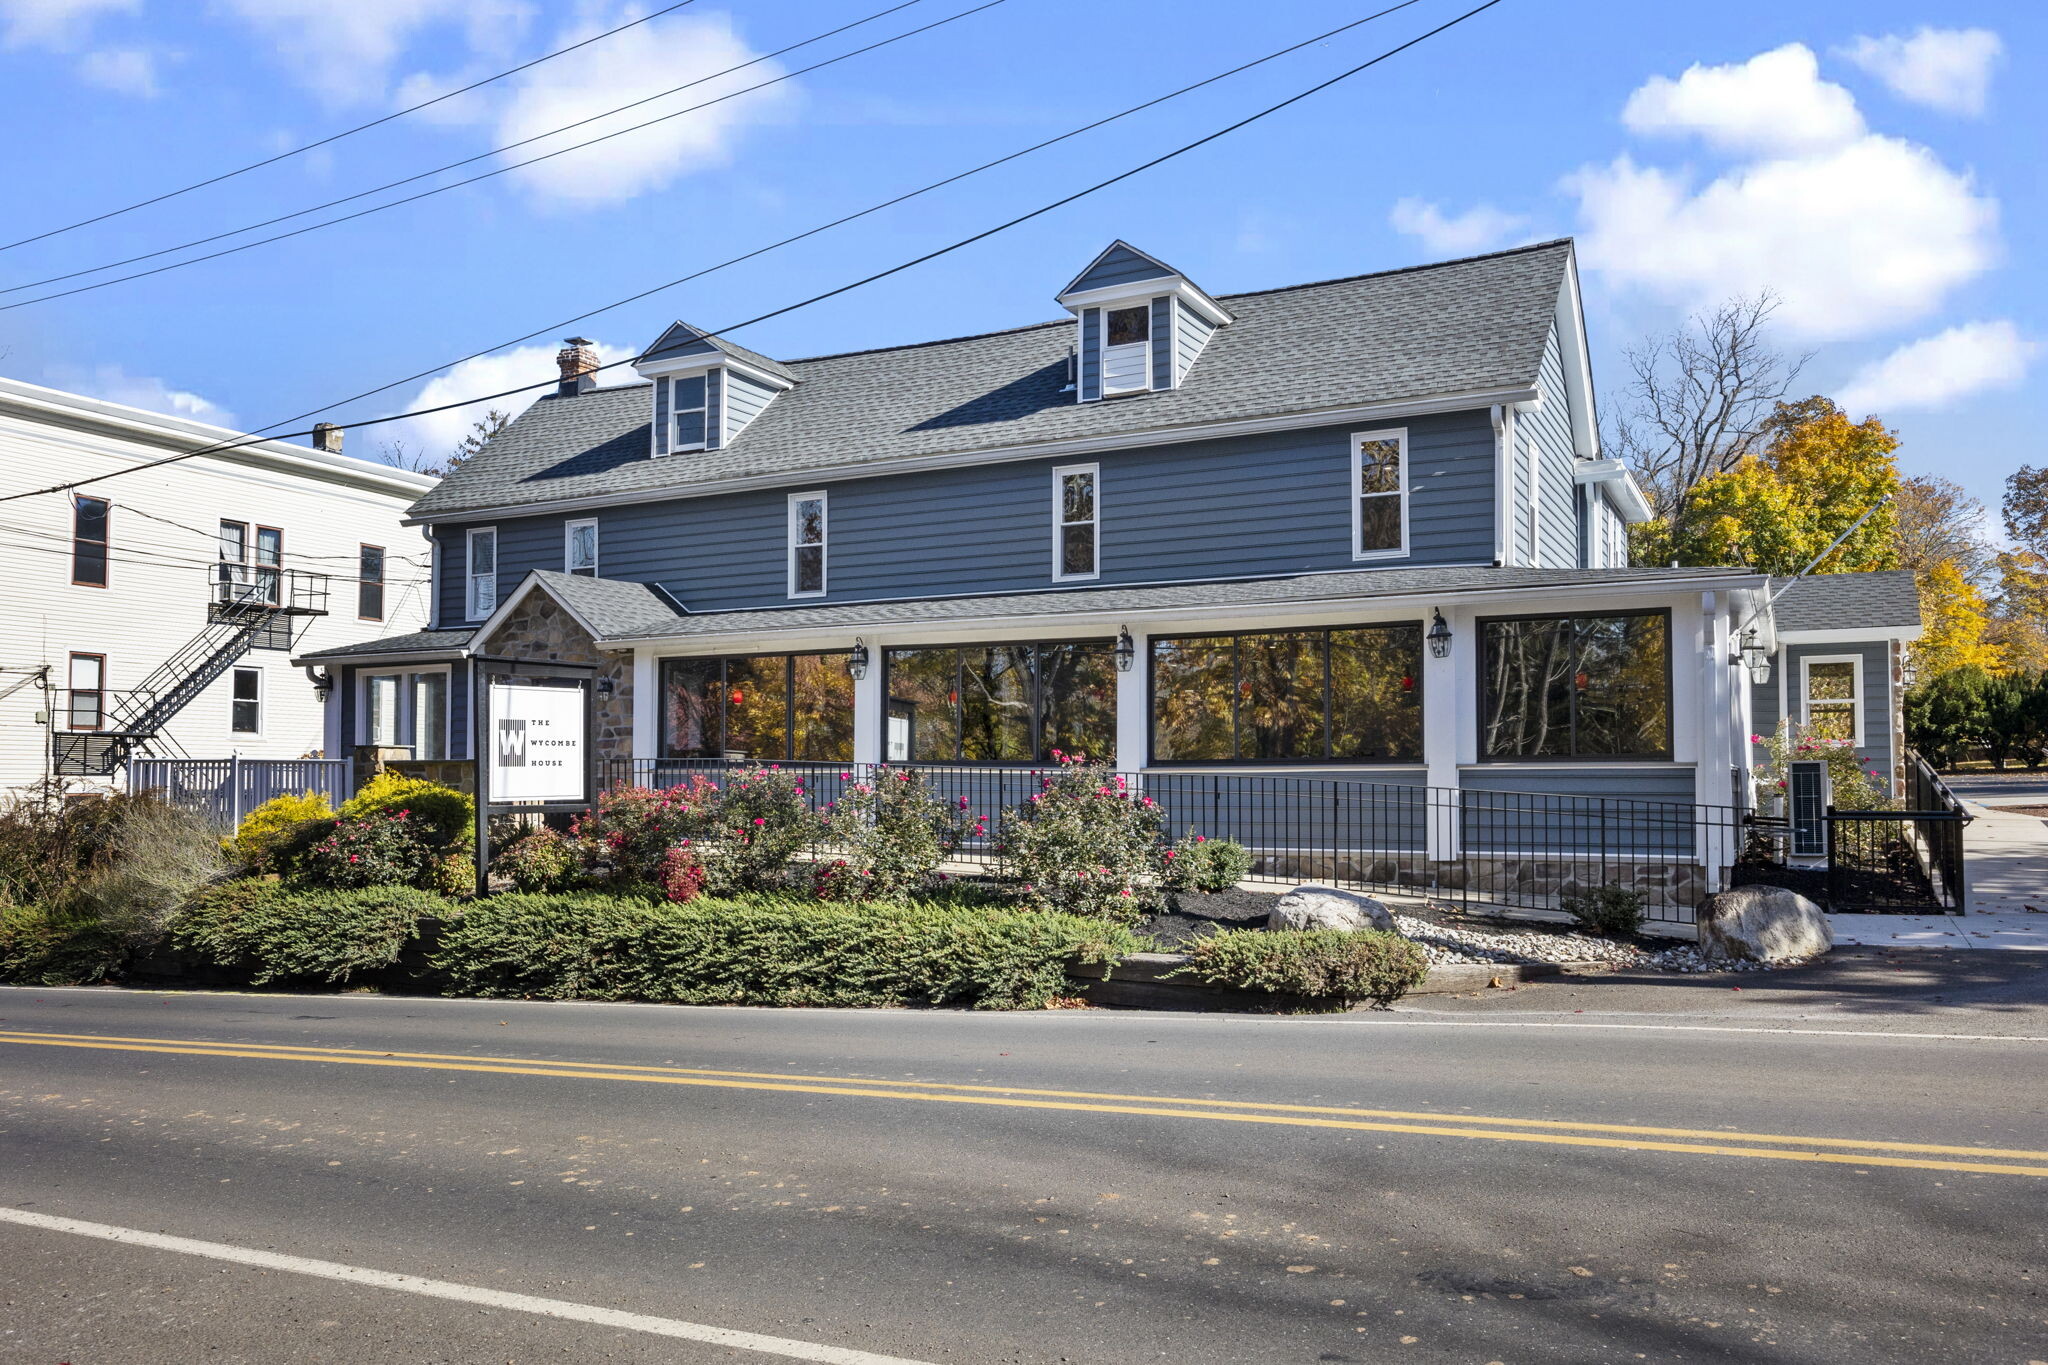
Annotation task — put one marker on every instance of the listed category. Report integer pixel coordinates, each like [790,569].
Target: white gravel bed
[1444,945]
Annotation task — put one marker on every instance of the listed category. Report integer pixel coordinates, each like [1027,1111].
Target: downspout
[1503,443]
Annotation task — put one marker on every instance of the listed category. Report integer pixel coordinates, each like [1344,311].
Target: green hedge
[1321,968]
[269,933]
[769,952]
[44,947]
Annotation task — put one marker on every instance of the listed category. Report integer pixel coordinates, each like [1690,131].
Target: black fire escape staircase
[266,609]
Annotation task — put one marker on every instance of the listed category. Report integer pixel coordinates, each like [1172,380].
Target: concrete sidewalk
[2008,932]
[2005,862]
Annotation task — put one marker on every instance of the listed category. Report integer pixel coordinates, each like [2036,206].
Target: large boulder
[1325,907]
[1762,924]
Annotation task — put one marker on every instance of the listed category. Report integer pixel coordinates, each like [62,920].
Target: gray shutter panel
[661,422]
[1162,343]
[714,408]
[1090,387]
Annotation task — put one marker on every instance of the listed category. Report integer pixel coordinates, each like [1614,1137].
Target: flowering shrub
[633,828]
[444,816]
[1856,788]
[265,832]
[1086,843]
[376,850]
[893,832]
[682,876]
[761,823]
[1202,864]
[541,859]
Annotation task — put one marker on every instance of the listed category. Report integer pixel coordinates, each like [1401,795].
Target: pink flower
[1201,838]
[353,858]
[759,820]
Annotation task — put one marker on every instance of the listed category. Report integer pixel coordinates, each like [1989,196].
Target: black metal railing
[1909,859]
[1464,846]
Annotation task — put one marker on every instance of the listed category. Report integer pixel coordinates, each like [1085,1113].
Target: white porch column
[1715,753]
[1447,711]
[646,703]
[1133,713]
[870,709]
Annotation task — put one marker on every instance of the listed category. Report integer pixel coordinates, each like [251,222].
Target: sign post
[533,732]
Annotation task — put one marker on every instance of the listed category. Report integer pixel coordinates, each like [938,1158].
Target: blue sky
[1876,173]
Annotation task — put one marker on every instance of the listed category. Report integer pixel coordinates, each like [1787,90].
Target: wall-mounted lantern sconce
[1439,635]
[1126,649]
[604,687]
[857,662]
[323,682]
[1758,659]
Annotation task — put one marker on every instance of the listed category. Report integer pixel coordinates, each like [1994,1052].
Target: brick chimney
[578,361]
[327,437]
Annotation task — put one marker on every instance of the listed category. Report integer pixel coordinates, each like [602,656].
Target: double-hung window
[481,555]
[246,702]
[1379,494]
[407,710]
[370,582]
[1076,523]
[1127,349]
[579,550]
[1831,692]
[269,564]
[687,414]
[806,544]
[231,577]
[86,688]
[89,542]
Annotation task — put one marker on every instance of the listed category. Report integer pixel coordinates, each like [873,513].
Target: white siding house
[107,585]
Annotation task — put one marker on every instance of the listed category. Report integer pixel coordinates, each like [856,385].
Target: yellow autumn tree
[1954,618]
[1776,511]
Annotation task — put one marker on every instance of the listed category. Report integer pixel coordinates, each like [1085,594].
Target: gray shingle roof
[1887,600]
[625,611]
[416,642]
[1461,326]
[682,337]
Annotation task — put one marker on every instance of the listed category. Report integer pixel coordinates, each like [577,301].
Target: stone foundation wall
[1523,880]
[540,631]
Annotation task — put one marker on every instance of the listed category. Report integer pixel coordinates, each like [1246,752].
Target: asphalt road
[1460,1182]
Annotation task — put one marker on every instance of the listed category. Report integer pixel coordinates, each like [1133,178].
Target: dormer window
[1127,349]
[690,409]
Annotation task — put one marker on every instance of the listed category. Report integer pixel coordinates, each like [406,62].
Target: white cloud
[343,50]
[116,385]
[1774,102]
[1937,370]
[1479,228]
[436,434]
[124,70]
[637,63]
[1853,236]
[1944,68]
[59,24]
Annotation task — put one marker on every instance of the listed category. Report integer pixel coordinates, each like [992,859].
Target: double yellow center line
[1560,1132]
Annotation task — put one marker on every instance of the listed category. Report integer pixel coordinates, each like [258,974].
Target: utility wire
[480,156]
[1071,133]
[913,262]
[346,132]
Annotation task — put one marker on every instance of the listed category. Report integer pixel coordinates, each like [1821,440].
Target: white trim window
[407,710]
[1076,522]
[807,544]
[480,563]
[1127,348]
[579,547]
[1831,696]
[687,416]
[1379,493]
[245,702]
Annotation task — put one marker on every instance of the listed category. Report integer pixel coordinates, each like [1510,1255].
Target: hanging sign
[538,737]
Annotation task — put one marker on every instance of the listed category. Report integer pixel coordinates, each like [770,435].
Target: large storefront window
[1576,687]
[775,708]
[1001,703]
[1298,696]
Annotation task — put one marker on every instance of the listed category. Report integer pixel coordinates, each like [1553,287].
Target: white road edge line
[460,1293]
[1715,1028]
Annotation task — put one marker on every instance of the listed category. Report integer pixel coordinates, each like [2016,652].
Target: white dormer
[1141,324]
[706,390]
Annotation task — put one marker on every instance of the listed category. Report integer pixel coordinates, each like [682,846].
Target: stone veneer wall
[540,631]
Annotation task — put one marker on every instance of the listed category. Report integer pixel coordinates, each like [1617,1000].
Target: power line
[487,175]
[915,261]
[346,132]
